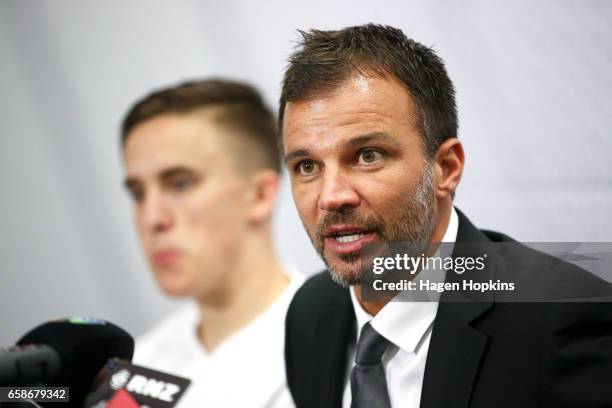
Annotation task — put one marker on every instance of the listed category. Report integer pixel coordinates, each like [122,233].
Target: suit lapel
[456,348]
[454,355]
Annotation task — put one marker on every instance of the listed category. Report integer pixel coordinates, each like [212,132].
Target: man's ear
[264,188]
[449,161]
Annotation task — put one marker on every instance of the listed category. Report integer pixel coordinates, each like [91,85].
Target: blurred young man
[203,169]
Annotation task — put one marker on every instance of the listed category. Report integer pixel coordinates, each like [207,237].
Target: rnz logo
[147,387]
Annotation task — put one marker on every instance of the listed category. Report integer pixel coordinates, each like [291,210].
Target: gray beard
[414,226]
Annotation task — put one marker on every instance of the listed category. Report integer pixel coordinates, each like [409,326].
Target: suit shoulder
[496,236]
[314,295]
[320,284]
[542,276]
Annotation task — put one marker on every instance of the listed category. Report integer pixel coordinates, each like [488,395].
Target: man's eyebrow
[130,182]
[174,171]
[354,142]
[371,137]
[297,153]
[168,173]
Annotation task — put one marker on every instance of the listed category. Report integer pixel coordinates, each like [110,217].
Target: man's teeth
[349,238]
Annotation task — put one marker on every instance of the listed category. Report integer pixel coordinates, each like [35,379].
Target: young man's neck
[255,282]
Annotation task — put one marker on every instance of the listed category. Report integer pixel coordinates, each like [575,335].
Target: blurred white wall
[534,93]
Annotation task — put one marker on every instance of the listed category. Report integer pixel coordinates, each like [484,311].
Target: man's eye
[369,156]
[137,195]
[307,167]
[181,184]
[178,183]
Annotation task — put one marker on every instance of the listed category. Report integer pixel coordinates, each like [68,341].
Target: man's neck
[443,216]
[256,281]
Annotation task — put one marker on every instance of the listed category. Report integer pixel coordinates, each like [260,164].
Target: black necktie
[368,383]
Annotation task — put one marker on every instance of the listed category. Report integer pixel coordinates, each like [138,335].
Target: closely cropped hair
[241,107]
[323,60]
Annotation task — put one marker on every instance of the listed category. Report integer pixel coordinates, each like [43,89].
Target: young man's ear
[449,161]
[264,187]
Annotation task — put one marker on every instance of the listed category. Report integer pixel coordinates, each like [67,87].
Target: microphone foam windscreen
[84,346]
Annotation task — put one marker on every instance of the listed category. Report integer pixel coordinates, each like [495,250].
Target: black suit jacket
[483,353]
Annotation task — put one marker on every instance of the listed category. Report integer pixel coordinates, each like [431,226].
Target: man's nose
[155,213]
[337,192]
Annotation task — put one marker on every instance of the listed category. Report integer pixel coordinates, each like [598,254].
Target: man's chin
[176,291]
[174,285]
[345,272]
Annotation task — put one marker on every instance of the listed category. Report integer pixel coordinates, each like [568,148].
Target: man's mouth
[165,257]
[345,239]
[349,238]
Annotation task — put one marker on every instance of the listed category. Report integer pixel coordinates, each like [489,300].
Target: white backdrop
[534,93]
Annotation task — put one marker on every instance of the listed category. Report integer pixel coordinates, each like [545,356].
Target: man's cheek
[306,207]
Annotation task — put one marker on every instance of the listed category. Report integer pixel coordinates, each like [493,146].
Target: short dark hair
[240,106]
[323,60]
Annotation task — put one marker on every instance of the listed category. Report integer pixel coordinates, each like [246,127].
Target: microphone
[67,353]
[29,364]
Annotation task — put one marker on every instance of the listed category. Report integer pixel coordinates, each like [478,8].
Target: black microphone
[29,364]
[83,347]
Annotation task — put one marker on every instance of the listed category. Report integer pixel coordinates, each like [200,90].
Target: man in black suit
[369,135]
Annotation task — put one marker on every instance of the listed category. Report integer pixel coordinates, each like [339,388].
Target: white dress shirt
[246,370]
[407,325]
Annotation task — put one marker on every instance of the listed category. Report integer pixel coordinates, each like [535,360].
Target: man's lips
[164,257]
[346,239]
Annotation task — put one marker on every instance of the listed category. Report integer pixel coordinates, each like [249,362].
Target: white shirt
[246,370]
[407,325]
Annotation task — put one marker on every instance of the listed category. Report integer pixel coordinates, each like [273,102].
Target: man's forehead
[356,93]
[169,141]
[362,105]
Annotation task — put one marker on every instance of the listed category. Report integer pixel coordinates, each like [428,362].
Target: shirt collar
[405,323]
